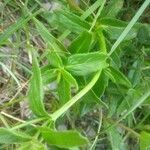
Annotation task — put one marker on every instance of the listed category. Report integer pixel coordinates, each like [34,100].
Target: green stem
[70,103]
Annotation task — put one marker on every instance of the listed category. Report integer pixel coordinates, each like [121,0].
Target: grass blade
[129,26]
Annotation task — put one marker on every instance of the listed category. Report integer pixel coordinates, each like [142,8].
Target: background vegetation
[74,74]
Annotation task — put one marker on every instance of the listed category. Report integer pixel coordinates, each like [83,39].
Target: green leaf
[84,64]
[63,139]
[71,21]
[116,139]
[128,101]
[113,7]
[119,77]
[143,35]
[33,145]
[144,140]
[49,38]
[137,104]
[54,59]
[36,90]
[82,43]
[135,72]
[8,136]
[64,90]
[64,86]
[48,76]
[69,78]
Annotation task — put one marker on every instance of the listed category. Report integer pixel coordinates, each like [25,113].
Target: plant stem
[70,103]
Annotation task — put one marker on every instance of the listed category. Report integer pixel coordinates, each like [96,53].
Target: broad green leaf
[84,64]
[8,136]
[71,21]
[32,145]
[82,43]
[144,140]
[107,21]
[119,77]
[114,33]
[114,27]
[36,94]
[63,139]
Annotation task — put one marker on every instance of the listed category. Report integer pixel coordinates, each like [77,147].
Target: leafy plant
[79,65]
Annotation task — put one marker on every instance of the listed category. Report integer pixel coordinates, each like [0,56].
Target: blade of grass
[10,72]
[17,25]
[97,15]
[129,26]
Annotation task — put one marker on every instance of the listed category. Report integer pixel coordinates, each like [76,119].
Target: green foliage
[79,65]
[8,136]
[36,94]
[63,139]
[84,64]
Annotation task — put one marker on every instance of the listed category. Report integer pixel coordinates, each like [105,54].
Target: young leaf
[69,78]
[63,139]
[119,77]
[81,44]
[64,86]
[64,90]
[144,140]
[8,136]
[48,38]
[84,64]
[36,91]
[48,76]
[101,84]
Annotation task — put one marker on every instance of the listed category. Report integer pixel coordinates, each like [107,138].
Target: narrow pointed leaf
[36,94]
